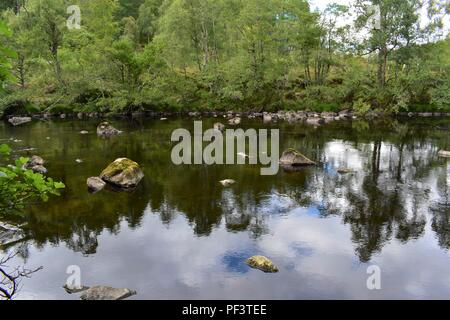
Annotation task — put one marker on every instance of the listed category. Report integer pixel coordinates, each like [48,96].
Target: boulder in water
[106,293]
[234,121]
[123,173]
[104,129]
[36,164]
[219,126]
[17,121]
[10,235]
[227,182]
[95,184]
[445,154]
[262,263]
[292,157]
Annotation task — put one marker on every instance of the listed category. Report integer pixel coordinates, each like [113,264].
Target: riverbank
[290,116]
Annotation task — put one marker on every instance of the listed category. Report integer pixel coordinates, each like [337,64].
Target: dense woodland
[180,55]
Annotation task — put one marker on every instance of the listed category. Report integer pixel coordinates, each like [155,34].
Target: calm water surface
[182,235]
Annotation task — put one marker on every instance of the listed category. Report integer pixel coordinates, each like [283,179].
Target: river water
[182,235]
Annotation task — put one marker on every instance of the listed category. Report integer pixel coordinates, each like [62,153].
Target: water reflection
[398,190]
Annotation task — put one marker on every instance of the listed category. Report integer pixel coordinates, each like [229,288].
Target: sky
[322,4]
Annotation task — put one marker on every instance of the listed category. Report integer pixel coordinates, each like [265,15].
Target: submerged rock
[10,234]
[84,132]
[444,153]
[106,293]
[123,173]
[17,121]
[227,182]
[36,164]
[234,121]
[315,121]
[344,170]
[40,169]
[95,184]
[292,157]
[267,117]
[262,263]
[219,126]
[104,129]
[74,289]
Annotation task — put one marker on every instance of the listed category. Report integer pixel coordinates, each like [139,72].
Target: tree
[395,26]
[5,55]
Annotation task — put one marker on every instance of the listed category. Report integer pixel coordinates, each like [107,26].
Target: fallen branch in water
[10,281]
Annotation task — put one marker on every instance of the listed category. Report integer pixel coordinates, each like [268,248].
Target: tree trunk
[382,65]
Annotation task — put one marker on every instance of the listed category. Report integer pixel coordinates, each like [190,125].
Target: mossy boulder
[123,173]
[262,263]
[292,157]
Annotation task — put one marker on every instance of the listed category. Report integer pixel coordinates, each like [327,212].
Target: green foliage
[360,107]
[5,55]
[19,186]
[221,54]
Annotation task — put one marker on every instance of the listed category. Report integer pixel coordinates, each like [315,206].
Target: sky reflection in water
[181,235]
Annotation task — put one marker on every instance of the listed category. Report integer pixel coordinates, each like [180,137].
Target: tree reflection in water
[398,184]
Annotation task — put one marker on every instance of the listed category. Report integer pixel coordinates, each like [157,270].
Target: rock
[344,170]
[444,153]
[315,121]
[73,289]
[39,169]
[227,182]
[262,263]
[36,164]
[330,115]
[234,121]
[63,116]
[10,235]
[78,161]
[163,119]
[292,157]
[344,113]
[84,132]
[219,126]
[123,173]
[106,293]
[35,161]
[95,184]
[16,121]
[267,117]
[104,129]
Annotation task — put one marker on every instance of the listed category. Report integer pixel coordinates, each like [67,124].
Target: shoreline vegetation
[181,56]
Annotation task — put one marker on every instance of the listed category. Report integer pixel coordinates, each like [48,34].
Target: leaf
[59,185]
[5,149]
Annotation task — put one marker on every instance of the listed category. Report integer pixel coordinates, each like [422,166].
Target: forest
[129,56]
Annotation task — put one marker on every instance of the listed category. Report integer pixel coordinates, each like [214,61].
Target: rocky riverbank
[313,118]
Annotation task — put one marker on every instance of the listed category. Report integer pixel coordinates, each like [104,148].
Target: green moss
[262,263]
[118,166]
